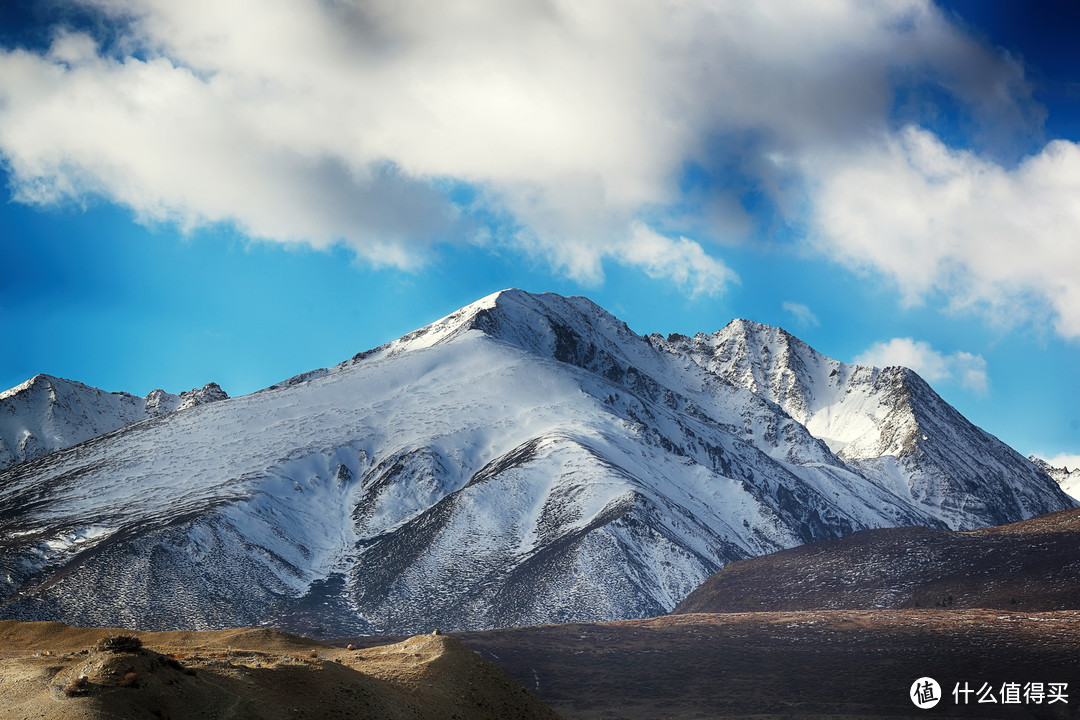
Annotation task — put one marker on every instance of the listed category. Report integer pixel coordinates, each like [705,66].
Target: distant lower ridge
[1032,565]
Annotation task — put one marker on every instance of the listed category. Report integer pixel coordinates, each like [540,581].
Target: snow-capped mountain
[46,414]
[1069,480]
[886,424]
[526,459]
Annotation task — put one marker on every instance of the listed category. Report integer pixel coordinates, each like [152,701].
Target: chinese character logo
[1010,693]
[925,693]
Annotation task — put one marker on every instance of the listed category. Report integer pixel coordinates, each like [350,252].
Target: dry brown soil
[247,674]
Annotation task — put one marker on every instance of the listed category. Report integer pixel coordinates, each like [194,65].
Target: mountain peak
[770,336]
[751,326]
[546,324]
[41,380]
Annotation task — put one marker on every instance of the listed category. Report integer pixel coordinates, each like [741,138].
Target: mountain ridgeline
[527,459]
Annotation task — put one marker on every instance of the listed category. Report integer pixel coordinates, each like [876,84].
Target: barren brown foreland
[838,664]
[247,674]
[808,664]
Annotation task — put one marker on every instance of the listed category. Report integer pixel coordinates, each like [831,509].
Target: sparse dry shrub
[119,643]
[78,686]
[350,646]
[313,655]
[130,679]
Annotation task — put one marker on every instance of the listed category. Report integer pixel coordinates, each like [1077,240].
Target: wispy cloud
[803,315]
[347,122]
[967,369]
[681,261]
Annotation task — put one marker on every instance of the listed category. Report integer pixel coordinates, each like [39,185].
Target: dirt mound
[55,671]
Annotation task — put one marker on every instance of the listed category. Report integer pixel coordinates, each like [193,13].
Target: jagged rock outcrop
[1069,480]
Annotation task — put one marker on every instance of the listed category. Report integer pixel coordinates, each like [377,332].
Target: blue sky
[239,192]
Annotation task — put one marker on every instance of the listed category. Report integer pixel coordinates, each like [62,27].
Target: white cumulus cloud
[352,121]
[963,367]
[999,240]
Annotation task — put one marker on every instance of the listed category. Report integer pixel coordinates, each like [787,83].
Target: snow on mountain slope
[887,424]
[526,459]
[46,414]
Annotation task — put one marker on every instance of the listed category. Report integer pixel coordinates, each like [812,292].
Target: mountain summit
[526,459]
[47,413]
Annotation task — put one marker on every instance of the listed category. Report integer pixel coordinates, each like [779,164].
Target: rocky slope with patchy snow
[527,459]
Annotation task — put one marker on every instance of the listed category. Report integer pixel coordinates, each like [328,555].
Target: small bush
[131,679]
[313,655]
[119,643]
[77,686]
[350,646]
